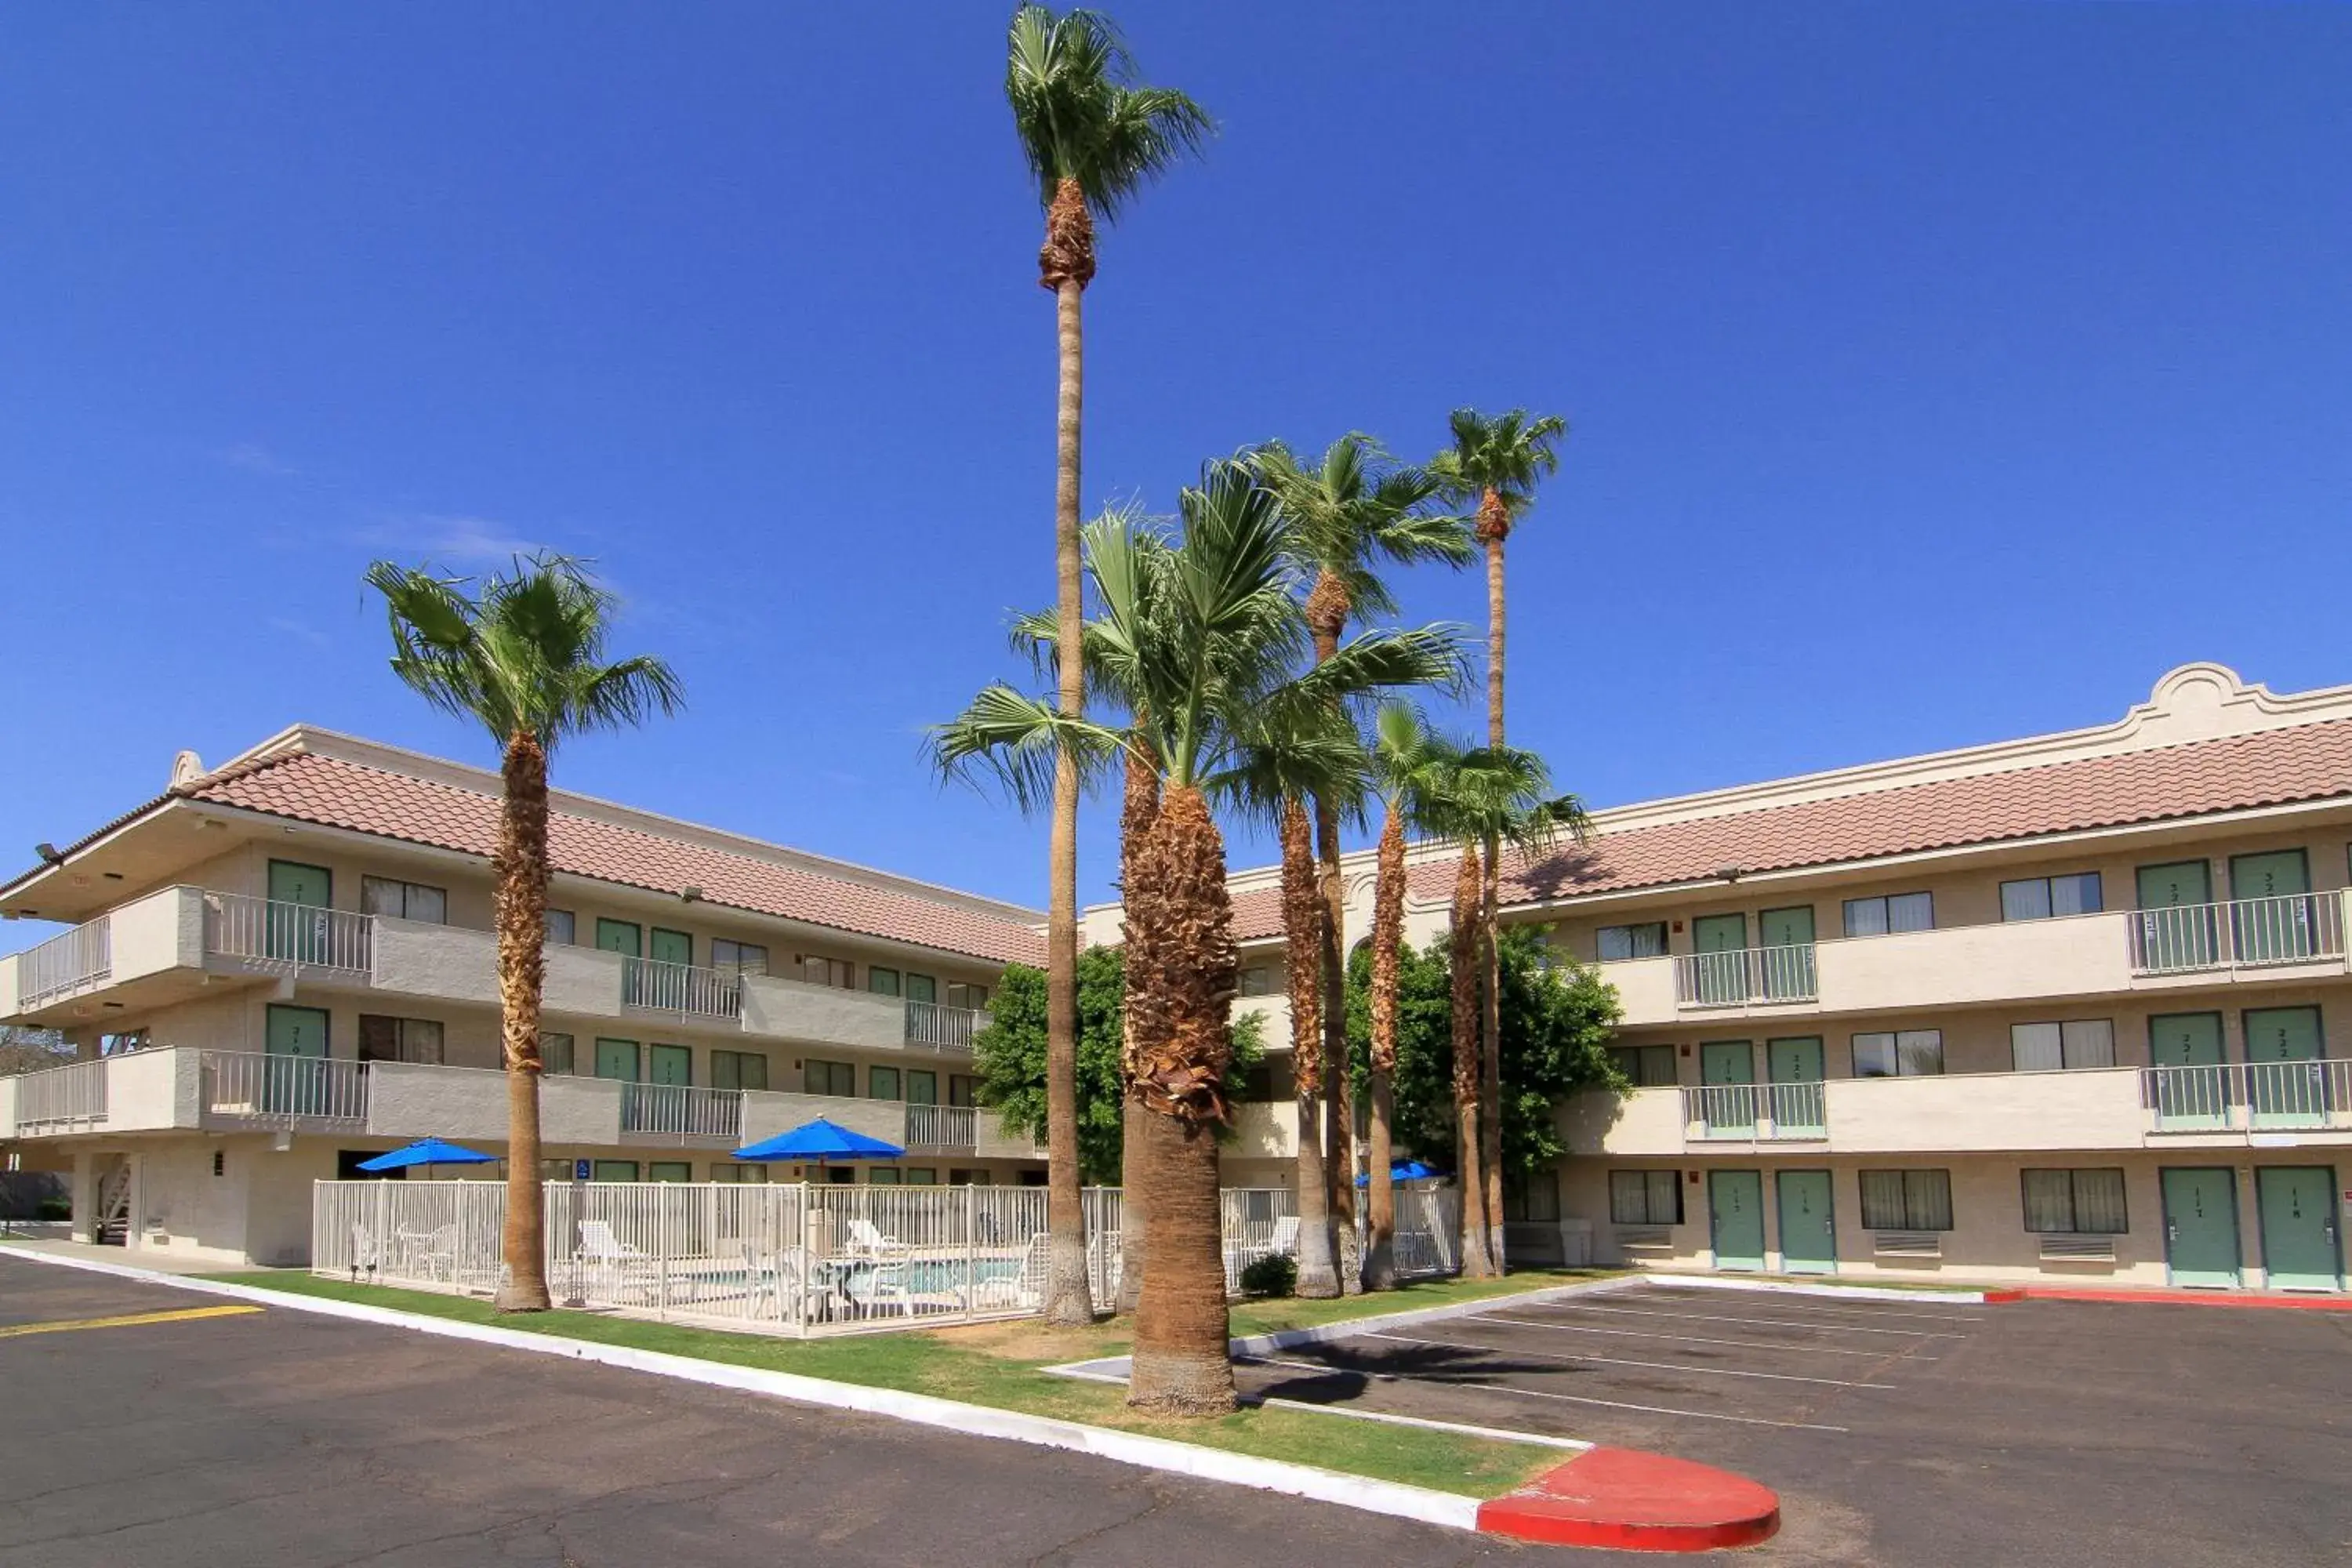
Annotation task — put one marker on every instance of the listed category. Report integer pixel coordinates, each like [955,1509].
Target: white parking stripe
[1762,1322]
[1330,1371]
[1699,1340]
[1615,1360]
[1794,1304]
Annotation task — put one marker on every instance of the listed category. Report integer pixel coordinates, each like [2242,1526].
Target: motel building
[2073,1008]
[278,968]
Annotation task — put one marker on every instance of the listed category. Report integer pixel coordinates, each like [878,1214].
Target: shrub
[1276,1274]
[54,1209]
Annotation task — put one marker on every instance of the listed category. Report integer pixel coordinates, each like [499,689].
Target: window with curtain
[743,1173]
[385,1039]
[1261,980]
[1534,1199]
[829,1078]
[1899,1053]
[1645,1066]
[739,1069]
[562,927]
[670,1171]
[882,1176]
[2086,1203]
[405,900]
[738,957]
[1906,1200]
[555,1053]
[1890,914]
[833,972]
[921,1177]
[2046,898]
[965,994]
[1645,1198]
[1646,940]
[2074,1043]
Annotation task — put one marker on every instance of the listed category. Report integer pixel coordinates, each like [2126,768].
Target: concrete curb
[1632,1502]
[1347,1328]
[1965,1297]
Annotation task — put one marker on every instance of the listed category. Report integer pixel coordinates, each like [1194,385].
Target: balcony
[1756,1113]
[251,1088]
[940,1028]
[2247,933]
[681,1113]
[286,937]
[952,1127]
[2251,1099]
[1745,975]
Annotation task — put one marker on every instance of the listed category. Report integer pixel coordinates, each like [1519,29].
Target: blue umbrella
[1402,1170]
[428,1152]
[821,1140]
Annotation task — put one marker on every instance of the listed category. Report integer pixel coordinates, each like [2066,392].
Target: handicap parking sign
[579,1169]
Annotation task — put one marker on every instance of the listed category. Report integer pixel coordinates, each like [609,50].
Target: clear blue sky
[1938,374]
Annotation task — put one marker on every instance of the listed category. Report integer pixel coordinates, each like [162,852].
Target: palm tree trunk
[1477,1260]
[1494,527]
[1134,1205]
[1180,1366]
[520,867]
[1388,931]
[1302,930]
[1328,608]
[1067,1302]
[1136,810]
[1490,1066]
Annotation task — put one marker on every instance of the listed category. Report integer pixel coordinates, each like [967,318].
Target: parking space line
[130,1321]
[1802,1304]
[1762,1322]
[1702,1340]
[1330,1371]
[1617,1360]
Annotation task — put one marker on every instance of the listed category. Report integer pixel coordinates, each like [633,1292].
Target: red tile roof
[329,791]
[2272,767]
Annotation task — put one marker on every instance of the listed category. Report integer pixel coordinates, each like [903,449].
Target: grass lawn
[1002,1365]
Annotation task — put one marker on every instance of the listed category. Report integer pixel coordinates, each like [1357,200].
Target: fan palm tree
[1487,800]
[524,658]
[1093,139]
[1215,639]
[1349,514]
[1494,463]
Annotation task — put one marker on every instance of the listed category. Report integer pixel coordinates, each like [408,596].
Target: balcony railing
[2290,928]
[64,963]
[238,925]
[1744,974]
[275,1090]
[681,1110]
[681,988]
[943,1028]
[2232,1097]
[1756,1112]
[54,1099]
[940,1127]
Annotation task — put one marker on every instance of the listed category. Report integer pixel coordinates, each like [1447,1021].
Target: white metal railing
[681,988]
[276,1090]
[2244,933]
[1744,974]
[1105,1211]
[1755,1112]
[2247,1096]
[70,1096]
[1251,1218]
[944,1028]
[238,925]
[940,1126]
[64,963]
[681,1110]
[1428,1229]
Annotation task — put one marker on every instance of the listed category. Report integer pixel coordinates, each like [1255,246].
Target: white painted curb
[1793,1287]
[1349,1328]
[1164,1454]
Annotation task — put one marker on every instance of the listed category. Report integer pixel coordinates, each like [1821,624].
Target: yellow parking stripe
[11,1330]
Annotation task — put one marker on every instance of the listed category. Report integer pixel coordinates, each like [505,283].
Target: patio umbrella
[820,1141]
[1401,1171]
[428,1152]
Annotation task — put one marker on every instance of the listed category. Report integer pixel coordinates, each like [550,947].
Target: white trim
[1349,1328]
[1790,1287]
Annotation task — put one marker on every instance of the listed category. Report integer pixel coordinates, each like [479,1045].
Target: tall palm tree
[1215,638]
[1349,514]
[1488,800]
[1496,462]
[523,656]
[1093,139]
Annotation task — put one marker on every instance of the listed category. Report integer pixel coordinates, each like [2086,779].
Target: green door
[2175,927]
[294,1076]
[1727,1097]
[1734,1211]
[294,922]
[1720,968]
[1785,964]
[2297,1204]
[2191,1084]
[623,937]
[1794,1067]
[1808,1227]
[2200,1226]
[2271,914]
[672,947]
[672,1065]
[617,1059]
[922,1086]
[2286,1081]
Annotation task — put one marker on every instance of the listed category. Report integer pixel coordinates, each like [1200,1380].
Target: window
[967,1178]
[2076,1043]
[881,1083]
[920,1176]
[1645,1198]
[922,988]
[403,900]
[670,1171]
[555,1053]
[1895,912]
[1261,980]
[964,993]
[881,981]
[563,929]
[882,1176]
[743,1173]
[961,1087]
[614,1170]
[833,972]
[1645,1066]
[738,957]
[2044,897]
[1533,1199]
[739,1069]
[385,1039]
[1632,942]
[1906,1200]
[1899,1053]
[2084,1203]
[830,1078]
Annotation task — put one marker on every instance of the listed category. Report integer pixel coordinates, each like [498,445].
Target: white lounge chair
[616,1260]
[775,1278]
[1285,1234]
[866,1241]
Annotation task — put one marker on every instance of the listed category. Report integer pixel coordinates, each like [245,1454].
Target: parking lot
[1917,1430]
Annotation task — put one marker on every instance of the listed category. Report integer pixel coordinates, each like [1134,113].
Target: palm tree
[1093,139]
[1349,514]
[1487,800]
[525,658]
[1496,462]
[1215,639]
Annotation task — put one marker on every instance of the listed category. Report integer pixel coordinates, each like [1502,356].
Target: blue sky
[1938,373]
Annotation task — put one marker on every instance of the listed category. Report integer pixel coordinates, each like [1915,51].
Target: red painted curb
[2192,1298]
[2003,1298]
[1636,1502]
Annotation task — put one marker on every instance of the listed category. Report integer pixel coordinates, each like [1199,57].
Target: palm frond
[1078,113]
[1013,738]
